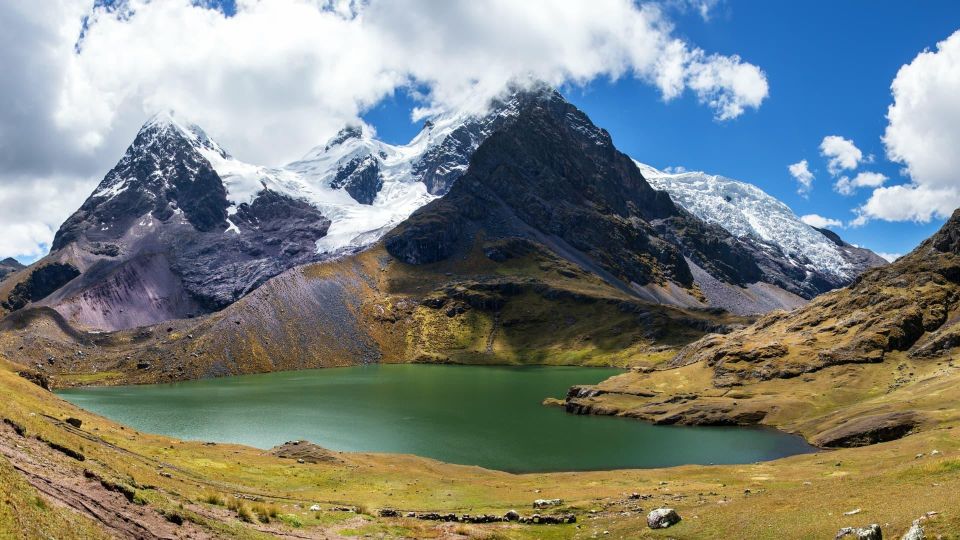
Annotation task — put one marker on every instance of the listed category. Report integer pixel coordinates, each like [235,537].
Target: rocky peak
[161,175]
[346,133]
[947,239]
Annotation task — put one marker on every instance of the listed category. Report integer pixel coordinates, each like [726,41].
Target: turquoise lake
[486,416]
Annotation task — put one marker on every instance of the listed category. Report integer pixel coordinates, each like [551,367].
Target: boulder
[661,518]
[511,515]
[543,503]
[870,532]
[915,532]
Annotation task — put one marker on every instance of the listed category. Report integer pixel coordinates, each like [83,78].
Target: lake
[486,416]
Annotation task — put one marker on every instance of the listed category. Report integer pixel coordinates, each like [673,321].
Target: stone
[511,515]
[544,503]
[915,532]
[388,512]
[75,422]
[661,518]
[870,532]
[315,508]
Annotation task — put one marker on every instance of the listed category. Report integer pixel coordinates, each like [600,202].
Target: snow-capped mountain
[180,226]
[751,214]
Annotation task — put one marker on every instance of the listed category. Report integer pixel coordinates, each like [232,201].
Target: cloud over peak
[276,77]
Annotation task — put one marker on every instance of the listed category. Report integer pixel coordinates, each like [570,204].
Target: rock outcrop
[662,518]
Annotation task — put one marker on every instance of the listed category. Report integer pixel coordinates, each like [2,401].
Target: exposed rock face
[662,518]
[869,430]
[39,284]
[550,175]
[361,178]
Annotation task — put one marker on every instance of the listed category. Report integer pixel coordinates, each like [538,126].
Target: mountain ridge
[180,228]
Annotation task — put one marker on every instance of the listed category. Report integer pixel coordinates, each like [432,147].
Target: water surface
[487,416]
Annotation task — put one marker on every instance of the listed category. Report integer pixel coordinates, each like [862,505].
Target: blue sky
[829,66]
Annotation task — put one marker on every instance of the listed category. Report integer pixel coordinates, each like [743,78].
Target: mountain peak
[165,125]
[347,132]
[947,239]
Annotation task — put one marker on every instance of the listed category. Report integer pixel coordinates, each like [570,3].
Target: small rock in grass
[75,422]
[315,508]
[511,515]
[852,512]
[661,518]
[543,503]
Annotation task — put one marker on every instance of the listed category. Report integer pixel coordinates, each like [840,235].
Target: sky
[846,111]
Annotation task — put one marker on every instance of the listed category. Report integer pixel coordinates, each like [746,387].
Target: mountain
[867,363]
[180,228]
[9,266]
[793,255]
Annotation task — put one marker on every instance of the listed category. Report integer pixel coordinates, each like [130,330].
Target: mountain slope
[9,266]
[864,364]
[792,254]
[553,177]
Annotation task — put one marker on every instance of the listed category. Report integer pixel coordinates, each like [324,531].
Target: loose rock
[870,532]
[661,518]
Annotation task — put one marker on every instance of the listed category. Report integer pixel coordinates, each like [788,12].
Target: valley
[491,295]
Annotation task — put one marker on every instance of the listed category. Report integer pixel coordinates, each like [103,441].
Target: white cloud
[847,186]
[909,202]
[820,222]
[841,154]
[801,173]
[923,133]
[890,257]
[280,76]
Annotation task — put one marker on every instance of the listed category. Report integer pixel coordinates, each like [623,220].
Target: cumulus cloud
[923,134]
[890,257]
[847,186]
[820,222]
[278,77]
[841,154]
[801,173]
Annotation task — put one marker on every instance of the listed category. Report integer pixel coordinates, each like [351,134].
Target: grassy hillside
[527,306]
[866,363]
